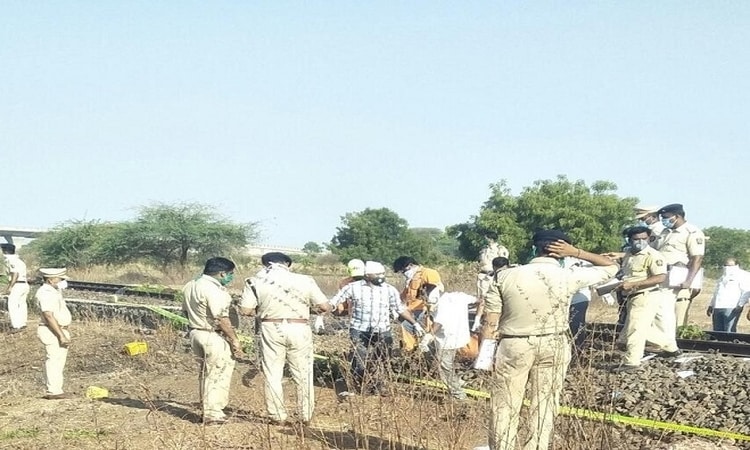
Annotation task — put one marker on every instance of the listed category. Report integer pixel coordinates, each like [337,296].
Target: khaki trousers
[292,343]
[642,311]
[682,306]
[55,362]
[18,310]
[216,368]
[539,363]
[663,331]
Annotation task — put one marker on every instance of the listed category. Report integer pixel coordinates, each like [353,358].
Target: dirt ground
[153,402]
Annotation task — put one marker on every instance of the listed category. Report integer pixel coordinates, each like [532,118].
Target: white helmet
[356,268]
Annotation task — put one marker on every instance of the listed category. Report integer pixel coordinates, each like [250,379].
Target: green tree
[726,243]
[165,234]
[378,235]
[312,248]
[161,234]
[442,245]
[593,216]
[74,244]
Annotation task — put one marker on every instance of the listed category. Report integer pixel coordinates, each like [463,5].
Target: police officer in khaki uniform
[282,301]
[648,216]
[683,245]
[489,252]
[53,329]
[18,288]
[644,271]
[212,336]
[527,309]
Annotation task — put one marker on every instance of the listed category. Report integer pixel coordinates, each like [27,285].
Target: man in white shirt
[730,296]
[451,330]
[18,289]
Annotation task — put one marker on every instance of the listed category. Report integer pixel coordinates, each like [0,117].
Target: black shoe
[673,354]
[625,368]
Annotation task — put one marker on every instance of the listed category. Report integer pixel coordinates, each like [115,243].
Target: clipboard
[677,275]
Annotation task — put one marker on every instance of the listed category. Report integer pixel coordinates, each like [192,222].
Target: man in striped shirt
[372,303]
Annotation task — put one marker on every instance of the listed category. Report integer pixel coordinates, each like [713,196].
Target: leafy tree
[379,235]
[442,246]
[164,234]
[312,248]
[726,243]
[161,234]
[74,244]
[592,215]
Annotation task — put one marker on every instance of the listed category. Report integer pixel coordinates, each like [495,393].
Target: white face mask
[410,273]
[731,270]
[63,284]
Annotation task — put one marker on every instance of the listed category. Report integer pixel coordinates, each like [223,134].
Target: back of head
[356,268]
[217,265]
[543,238]
[276,257]
[8,249]
[402,262]
[500,262]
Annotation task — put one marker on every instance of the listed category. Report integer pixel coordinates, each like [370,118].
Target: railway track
[730,344]
[123,289]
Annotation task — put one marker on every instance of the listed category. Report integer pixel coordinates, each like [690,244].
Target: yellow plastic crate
[136,348]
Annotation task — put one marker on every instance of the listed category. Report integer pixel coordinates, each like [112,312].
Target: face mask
[642,223]
[410,273]
[667,222]
[637,245]
[731,270]
[377,281]
[62,284]
[227,279]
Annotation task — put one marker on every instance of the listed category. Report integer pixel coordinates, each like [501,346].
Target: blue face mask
[667,222]
[642,223]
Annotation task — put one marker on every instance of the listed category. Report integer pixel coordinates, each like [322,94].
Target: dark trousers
[370,358]
[725,319]
[577,318]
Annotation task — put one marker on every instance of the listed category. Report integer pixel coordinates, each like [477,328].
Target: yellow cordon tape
[564,410]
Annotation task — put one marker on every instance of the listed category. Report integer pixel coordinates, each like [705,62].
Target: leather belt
[285,320]
[512,336]
[24,282]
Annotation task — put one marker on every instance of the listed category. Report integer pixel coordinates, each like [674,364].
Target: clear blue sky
[293,114]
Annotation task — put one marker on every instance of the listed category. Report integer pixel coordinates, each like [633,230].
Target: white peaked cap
[372,267]
[356,267]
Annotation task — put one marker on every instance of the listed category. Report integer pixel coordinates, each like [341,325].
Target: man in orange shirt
[423,289]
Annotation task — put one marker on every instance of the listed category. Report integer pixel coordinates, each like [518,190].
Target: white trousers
[17,307]
[55,362]
[216,368]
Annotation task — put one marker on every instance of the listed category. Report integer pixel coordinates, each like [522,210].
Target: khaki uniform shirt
[16,265]
[488,253]
[679,244]
[644,264]
[205,301]
[51,300]
[534,299]
[281,294]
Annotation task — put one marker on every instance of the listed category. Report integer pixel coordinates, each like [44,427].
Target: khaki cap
[643,211]
[55,273]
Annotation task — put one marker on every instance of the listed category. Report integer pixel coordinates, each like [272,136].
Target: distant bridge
[261,249]
[11,233]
